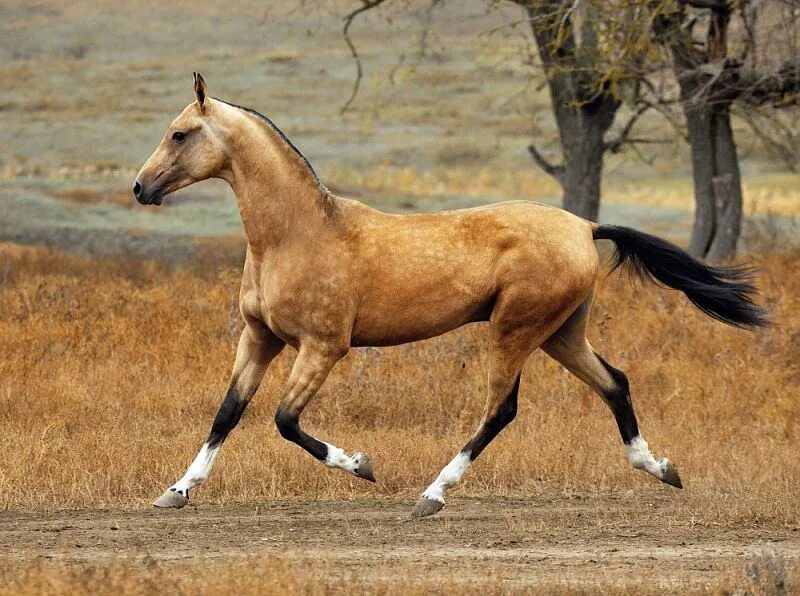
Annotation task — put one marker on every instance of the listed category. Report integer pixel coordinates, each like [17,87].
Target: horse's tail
[725,293]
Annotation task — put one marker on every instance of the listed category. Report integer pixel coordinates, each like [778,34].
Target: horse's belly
[402,319]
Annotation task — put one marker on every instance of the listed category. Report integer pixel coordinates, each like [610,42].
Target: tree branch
[712,4]
[556,171]
[624,136]
[348,20]
[781,88]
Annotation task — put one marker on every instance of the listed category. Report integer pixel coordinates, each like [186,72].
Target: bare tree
[583,105]
[711,79]
[594,53]
[584,91]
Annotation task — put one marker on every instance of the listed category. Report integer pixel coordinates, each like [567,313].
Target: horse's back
[437,271]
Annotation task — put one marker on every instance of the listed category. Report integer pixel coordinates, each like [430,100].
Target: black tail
[724,293]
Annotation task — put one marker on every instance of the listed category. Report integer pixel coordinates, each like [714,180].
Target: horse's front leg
[309,372]
[257,347]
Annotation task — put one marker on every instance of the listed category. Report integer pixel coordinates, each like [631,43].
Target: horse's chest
[313,308]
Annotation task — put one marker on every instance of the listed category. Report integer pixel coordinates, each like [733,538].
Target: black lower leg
[288,424]
[618,398]
[492,426]
[229,414]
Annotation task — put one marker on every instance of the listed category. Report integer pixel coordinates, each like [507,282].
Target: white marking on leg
[337,458]
[451,474]
[642,459]
[198,471]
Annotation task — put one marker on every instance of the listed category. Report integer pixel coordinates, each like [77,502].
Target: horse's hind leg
[570,347]
[510,344]
[500,410]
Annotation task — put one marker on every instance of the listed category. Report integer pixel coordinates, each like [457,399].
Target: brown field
[112,371]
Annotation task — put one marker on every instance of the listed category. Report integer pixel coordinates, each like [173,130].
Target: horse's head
[191,150]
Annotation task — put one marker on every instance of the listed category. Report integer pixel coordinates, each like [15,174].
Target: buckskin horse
[323,273]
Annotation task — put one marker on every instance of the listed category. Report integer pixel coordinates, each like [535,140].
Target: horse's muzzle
[147,196]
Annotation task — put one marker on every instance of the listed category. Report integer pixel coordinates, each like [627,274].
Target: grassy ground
[113,370]
[765,574]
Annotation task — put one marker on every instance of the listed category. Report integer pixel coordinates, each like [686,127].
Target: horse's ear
[199,89]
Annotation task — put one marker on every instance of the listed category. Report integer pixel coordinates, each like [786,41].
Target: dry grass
[254,575]
[766,574]
[112,372]
[774,194]
[92,196]
[770,194]
[451,181]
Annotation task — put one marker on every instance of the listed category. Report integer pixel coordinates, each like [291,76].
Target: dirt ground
[578,541]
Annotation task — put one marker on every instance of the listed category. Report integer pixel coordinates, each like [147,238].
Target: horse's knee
[287,423]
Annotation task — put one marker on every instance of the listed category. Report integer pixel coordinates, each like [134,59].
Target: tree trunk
[583,110]
[727,190]
[709,84]
[717,181]
[700,122]
[583,167]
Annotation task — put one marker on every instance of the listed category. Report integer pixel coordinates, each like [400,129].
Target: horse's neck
[275,189]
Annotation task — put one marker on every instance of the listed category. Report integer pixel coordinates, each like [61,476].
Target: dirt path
[525,541]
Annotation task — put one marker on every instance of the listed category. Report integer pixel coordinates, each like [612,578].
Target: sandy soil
[576,541]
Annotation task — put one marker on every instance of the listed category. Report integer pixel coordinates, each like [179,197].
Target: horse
[323,273]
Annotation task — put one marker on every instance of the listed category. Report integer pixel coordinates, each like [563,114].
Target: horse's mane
[271,124]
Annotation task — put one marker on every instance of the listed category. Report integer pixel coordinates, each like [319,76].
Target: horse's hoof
[364,469]
[426,507]
[171,499]
[671,476]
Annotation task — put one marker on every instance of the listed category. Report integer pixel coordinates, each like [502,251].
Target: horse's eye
[179,137]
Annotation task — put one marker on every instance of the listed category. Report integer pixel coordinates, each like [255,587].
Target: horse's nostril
[137,189]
